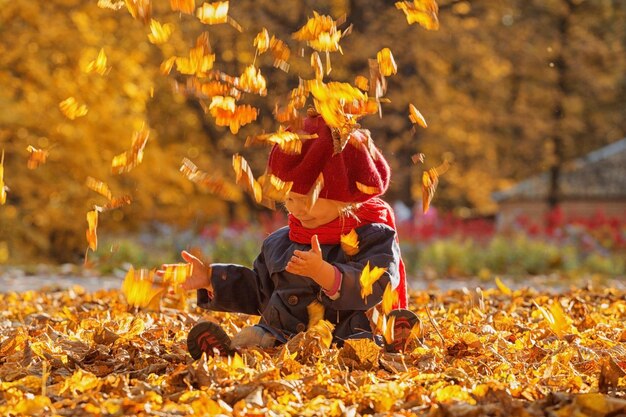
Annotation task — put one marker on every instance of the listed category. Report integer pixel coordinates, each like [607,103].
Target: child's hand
[200,273]
[307,263]
[311,264]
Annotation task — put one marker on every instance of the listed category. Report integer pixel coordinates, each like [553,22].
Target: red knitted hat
[342,172]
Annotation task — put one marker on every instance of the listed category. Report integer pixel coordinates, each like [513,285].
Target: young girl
[304,262]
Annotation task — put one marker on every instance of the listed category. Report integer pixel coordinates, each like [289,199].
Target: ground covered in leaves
[494,352]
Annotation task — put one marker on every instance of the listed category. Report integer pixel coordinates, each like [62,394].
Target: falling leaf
[262,41]
[251,81]
[366,189]
[288,141]
[139,290]
[130,159]
[113,5]
[99,64]
[316,63]
[316,313]
[99,187]
[183,6]
[140,9]
[216,13]
[386,62]
[160,33]
[3,188]
[430,180]
[36,157]
[176,274]
[92,222]
[350,243]
[368,278]
[502,287]
[315,190]
[423,12]
[418,157]
[361,83]
[416,117]
[280,52]
[390,299]
[557,320]
[273,189]
[244,176]
[72,109]
[215,184]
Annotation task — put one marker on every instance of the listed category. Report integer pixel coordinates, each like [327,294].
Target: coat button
[301,327]
[292,300]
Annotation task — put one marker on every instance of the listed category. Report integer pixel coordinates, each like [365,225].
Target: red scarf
[373,210]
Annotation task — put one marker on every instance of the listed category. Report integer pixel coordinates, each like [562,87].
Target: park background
[511,90]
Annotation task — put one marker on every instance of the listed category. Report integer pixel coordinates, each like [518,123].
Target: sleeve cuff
[333,293]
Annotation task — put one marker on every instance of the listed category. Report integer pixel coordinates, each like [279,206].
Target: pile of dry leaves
[494,352]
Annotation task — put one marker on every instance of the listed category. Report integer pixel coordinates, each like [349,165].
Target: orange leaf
[423,12]
[361,83]
[36,157]
[243,174]
[416,117]
[366,189]
[130,159]
[3,188]
[140,9]
[216,13]
[430,180]
[184,6]
[262,41]
[92,237]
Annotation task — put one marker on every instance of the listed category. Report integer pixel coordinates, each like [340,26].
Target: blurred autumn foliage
[507,89]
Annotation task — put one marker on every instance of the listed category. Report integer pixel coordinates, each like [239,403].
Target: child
[304,262]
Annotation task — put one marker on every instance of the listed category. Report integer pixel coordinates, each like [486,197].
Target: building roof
[600,174]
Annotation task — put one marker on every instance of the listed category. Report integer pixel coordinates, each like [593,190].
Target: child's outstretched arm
[311,264]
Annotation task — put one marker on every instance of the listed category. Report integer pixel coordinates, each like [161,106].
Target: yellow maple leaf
[368,278]
[350,243]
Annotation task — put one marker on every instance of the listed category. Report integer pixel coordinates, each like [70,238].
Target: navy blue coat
[281,298]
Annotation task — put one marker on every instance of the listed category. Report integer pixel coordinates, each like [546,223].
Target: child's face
[322,212]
